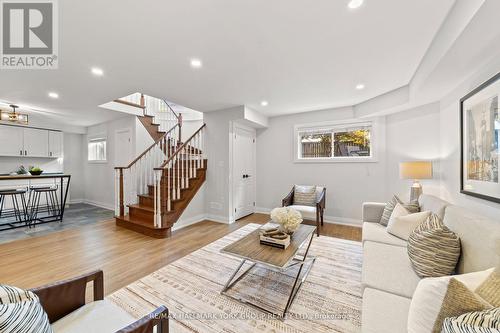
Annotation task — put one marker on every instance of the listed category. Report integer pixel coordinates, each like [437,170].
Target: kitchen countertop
[28,176]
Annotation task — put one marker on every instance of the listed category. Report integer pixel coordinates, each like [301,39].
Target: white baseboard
[182,223]
[327,219]
[99,204]
[217,218]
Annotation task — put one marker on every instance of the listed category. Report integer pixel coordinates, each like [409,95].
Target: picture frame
[480,141]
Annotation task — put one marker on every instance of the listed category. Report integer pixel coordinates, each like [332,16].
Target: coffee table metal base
[296,284]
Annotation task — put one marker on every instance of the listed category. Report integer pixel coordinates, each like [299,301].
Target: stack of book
[275,238]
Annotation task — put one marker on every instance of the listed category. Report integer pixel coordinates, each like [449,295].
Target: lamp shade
[415,170]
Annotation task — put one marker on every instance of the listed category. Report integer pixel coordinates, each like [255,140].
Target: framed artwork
[480,138]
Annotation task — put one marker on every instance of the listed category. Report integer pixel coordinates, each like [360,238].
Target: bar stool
[50,198]
[13,194]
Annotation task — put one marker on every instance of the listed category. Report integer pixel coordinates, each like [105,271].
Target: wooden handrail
[180,148]
[150,147]
[129,103]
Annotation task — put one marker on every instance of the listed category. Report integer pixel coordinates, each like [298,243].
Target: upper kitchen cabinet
[55,144]
[11,141]
[36,142]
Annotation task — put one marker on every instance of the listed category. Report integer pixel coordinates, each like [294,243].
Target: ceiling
[298,55]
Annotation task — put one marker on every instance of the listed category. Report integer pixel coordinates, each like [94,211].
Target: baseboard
[217,218]
[99,204]
[189,221]
[327,219]
[76,201]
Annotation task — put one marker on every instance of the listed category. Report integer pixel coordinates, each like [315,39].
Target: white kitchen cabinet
[11,141]
[36,142]
[55,144]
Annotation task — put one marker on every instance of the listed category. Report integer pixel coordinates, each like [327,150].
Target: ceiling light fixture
[264,103]
[97,71]
[354,4]
[360,86]
[14,117]
[53,95]
[196,63]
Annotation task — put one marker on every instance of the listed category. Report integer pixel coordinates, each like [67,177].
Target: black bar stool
[14,194]
[52,207]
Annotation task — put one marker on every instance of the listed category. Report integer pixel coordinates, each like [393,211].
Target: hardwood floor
[123,255]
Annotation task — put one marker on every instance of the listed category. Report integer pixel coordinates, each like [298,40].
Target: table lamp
[415,170]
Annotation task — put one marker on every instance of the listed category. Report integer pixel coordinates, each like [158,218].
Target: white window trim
[338,159]
[96,137]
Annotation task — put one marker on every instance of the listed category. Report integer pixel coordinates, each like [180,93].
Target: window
[97,150]
[335,142]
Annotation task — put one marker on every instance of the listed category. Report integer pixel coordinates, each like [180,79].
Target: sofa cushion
[21,311]
[433,248]
[433,204]
[387,268]
[479,237]
[377,233]
[308,212]
[304,195]
[447,296]
[384,312]
[100,316]
[403,226]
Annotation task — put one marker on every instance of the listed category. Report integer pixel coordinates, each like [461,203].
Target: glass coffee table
[249,249]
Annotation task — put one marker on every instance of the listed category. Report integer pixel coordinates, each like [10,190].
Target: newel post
[122,206]
[179,121]
[142,102]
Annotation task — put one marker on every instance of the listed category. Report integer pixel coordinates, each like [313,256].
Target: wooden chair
[67,298]
[309,212]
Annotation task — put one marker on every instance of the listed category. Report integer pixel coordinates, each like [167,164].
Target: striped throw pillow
[304,195]
[21,311]
[433,249]
[412,207]
[487,321]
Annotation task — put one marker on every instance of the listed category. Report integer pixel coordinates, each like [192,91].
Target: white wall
[74,165]
[348,184]
[100,177]
[450,143]
[413,135]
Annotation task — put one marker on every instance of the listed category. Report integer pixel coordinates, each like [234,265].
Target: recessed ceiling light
[196,63]
[353,4]
[97,71]
[360,86]
[264,103]
[53,95]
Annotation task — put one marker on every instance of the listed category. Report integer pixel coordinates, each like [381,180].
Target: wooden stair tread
[141,207]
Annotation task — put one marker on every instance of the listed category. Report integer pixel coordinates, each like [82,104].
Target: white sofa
[387,276]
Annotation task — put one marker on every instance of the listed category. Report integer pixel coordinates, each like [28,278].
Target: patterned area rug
[328,301]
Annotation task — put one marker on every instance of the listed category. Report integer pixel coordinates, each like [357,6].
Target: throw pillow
[21,311]
[487,321]
[489,290]
[433,249]
[389,207]
[435,299]
[402,226]
[304,195]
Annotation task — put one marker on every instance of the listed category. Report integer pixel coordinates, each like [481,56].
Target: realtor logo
[29,34]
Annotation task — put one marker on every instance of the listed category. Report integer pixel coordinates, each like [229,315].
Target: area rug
[328,301]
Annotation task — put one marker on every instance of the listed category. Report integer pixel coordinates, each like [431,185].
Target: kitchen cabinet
[30,142]
[55,144]
[36,142]
[11,141]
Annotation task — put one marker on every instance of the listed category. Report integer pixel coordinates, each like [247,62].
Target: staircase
[153,191]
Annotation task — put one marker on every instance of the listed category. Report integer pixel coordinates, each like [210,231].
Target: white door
[243,172]
[11,141]
[36,142]
[123,148]
[55,144]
